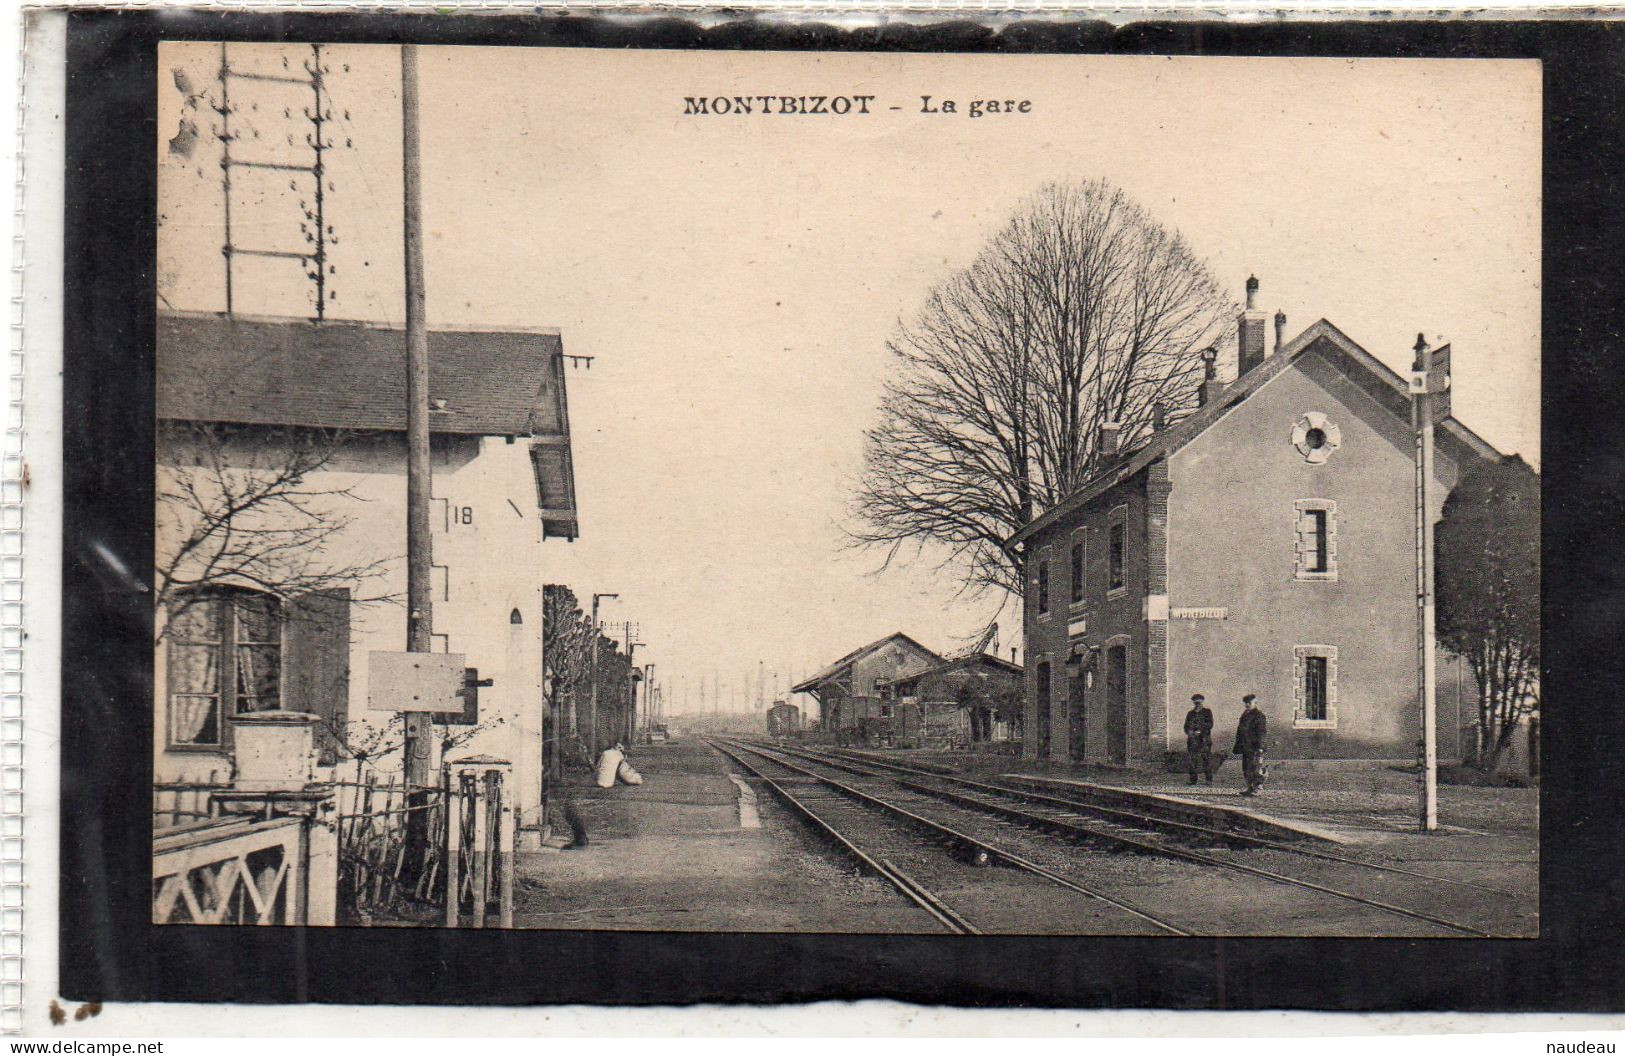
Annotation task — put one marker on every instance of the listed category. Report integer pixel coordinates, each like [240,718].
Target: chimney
[1250,332]
[1108,438]
[1211,385]
[1159,417]
[1280,329]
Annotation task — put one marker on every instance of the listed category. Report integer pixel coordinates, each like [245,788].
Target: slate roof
[349,375]
[851,658]
[1366,370]
[346,375]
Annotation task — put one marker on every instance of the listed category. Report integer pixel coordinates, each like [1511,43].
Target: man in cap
[1199,739]
[1250,743]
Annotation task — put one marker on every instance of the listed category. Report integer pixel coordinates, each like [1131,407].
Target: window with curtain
[225,658]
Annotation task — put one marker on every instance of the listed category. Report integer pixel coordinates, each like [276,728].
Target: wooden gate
[481,837]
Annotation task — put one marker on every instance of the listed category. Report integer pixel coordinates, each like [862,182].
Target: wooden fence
[391,849]
[234,871]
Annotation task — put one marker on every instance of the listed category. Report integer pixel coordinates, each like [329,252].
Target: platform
[676,853]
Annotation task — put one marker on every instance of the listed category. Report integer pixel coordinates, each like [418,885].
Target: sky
[735,279]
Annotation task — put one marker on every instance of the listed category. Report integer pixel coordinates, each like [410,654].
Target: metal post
[648,702]
[1426,689]
[419,546]
[224,110]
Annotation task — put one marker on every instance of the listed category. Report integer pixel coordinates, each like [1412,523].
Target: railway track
[847,816]
[1139,819]
[1119,829]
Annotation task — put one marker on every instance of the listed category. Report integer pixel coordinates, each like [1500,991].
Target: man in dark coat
[1199,739]
[1250,744]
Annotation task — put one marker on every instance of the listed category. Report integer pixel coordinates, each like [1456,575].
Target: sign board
[1201,614]
[415,682]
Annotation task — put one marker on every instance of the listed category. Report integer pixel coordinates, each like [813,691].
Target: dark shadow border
[111,952]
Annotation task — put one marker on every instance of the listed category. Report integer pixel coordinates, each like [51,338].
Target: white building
[235,396]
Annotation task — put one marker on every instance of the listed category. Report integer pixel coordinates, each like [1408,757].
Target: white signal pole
[1426,688]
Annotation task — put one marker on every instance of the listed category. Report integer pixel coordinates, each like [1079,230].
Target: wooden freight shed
[850,705]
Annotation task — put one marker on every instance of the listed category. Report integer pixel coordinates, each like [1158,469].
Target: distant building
[503,483]
[1264,544]
[964,702]
[849,690]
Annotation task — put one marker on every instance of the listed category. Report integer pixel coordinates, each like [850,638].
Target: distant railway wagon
[783,720]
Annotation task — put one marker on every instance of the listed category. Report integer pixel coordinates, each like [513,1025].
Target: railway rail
[982,851]
[1122,829]
[1140,819]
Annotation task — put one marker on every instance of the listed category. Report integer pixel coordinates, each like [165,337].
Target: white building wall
[487,542]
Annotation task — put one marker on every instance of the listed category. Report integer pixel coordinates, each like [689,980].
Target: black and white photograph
[846,493]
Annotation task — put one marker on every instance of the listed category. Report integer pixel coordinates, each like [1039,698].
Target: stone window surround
[1299,670]
[1079,594]
[1118,517]
[1302,542]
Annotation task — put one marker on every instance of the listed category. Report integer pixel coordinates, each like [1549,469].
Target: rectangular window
[1316,526]
[1316,545]
[1043,696]
[1077,572]
[1115,578]
[1315,691]
[1043,586]
[1314,688]
[225,658]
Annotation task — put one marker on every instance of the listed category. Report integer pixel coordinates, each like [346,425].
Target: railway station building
[1262,544]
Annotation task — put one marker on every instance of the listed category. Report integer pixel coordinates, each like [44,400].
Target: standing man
[1250,743]
[1199,739]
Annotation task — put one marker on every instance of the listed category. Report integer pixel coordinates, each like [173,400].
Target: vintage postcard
[846,493]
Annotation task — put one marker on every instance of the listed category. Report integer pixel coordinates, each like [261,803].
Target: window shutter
[316,663]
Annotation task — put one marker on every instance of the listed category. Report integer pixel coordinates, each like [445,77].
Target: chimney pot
[1210,388]
[1250,333]
[1280,329]
[1159,417]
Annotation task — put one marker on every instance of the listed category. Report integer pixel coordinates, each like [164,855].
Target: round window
[1316,437]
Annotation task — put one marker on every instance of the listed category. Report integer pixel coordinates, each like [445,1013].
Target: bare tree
[249,513]
[1081,310]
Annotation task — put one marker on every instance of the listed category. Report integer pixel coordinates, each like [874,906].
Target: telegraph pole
[1426,688]
[419,544]
[648,700]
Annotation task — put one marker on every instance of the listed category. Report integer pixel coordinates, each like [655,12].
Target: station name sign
[1200,614]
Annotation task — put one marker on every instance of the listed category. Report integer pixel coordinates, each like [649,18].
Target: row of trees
[568,635]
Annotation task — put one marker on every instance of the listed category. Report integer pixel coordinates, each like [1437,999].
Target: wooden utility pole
[1426,688]
[419,544]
